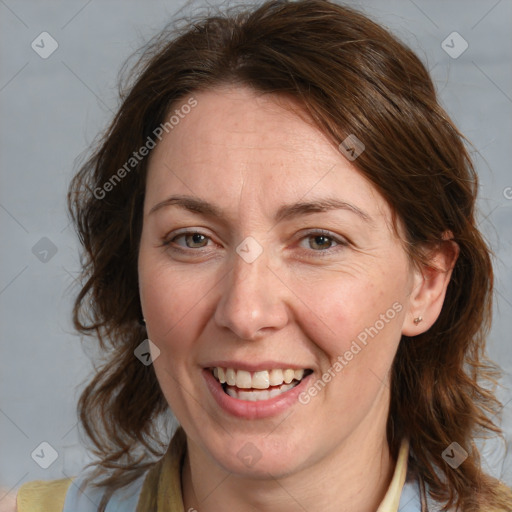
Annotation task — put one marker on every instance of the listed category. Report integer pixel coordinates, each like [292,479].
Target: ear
[430,283]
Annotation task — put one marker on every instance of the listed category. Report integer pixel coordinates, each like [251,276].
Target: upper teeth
[256,380]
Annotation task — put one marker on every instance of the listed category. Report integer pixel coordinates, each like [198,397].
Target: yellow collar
[392,498]
[161,490]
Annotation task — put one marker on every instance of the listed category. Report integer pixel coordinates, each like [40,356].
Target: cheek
[173,309]
[355,321]
[359,338]
[172,302]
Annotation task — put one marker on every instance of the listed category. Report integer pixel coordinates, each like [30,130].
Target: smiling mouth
[257,386]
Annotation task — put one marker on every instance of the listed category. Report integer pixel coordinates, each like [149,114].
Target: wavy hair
[352,77]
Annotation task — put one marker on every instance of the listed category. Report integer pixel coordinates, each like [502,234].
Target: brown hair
[352,77]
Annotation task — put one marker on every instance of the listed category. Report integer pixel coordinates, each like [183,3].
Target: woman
[281,248]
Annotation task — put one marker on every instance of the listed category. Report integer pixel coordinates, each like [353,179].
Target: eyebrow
[287,211]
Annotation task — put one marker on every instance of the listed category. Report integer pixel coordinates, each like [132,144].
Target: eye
[193,240]
[323,241]
[319,241]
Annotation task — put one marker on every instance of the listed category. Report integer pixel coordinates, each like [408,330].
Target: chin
[257,456]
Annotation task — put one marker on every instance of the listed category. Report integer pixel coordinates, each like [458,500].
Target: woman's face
[243,274]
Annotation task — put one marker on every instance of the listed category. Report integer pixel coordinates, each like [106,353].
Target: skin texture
[7,501]
[302,301]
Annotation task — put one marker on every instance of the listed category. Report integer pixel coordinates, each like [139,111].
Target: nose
[253,300]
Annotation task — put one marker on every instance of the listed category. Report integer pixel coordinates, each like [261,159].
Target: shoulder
[39,496]
[67,495]
[85,495]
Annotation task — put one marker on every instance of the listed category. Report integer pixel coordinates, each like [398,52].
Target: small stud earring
[418,319]
[142,321]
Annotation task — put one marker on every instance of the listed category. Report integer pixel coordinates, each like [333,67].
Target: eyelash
[341,243]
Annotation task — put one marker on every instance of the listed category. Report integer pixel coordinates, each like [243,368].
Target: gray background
[51,109]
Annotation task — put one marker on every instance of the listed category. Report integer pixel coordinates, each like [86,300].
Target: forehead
[238,119]
[237,143]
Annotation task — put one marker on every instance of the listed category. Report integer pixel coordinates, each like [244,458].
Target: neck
[354,477]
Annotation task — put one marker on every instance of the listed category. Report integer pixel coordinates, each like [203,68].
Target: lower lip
[253,410]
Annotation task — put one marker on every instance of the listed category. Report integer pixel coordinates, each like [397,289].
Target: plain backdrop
[51,110]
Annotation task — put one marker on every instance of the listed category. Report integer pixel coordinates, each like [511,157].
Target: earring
[142,321]
[418,319]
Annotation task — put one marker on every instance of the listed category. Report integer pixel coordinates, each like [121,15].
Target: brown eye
[321,242]
[193,240]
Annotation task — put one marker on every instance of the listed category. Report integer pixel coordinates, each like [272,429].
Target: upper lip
[255,367]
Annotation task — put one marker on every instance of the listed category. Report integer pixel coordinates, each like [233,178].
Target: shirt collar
[392,498]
